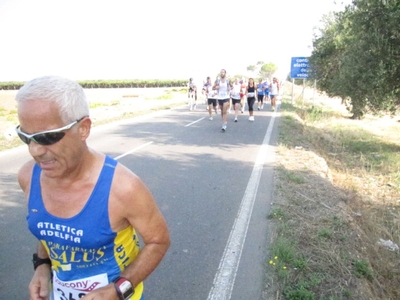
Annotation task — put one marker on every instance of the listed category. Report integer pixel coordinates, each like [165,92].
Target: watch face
[126,289]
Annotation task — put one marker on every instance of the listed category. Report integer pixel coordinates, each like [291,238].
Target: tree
[263,70]
[251,68]
[357,55]
[267,70]
[326,59]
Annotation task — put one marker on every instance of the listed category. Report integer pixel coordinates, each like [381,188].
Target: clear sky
[159,39]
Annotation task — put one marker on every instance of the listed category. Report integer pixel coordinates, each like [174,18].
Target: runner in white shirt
[223,87]
[192,94]
[235,96]
[243,94]
[211,98]
[274,92]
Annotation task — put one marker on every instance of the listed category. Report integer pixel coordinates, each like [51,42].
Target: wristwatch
[124,288]
[37,261]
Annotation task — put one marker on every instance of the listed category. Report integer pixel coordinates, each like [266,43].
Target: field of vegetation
[335,216]
[106,105]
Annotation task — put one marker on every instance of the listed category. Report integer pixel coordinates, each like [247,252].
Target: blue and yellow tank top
[85,253]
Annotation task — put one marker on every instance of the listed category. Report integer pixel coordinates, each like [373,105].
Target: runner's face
[223,73]
[59,159]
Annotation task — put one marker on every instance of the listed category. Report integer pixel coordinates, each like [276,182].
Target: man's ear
[84,128]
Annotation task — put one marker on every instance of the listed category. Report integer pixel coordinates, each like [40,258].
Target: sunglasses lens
[24,138]
[45,138]
[49,138]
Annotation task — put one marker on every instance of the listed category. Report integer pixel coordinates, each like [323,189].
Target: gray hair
[67,94]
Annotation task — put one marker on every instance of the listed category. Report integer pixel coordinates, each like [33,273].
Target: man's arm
[39,285]
[216,85]
[143,214]
[131,203]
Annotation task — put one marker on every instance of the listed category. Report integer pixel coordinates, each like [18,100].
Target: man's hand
[39,285]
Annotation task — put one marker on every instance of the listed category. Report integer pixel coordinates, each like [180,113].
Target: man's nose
[35,149]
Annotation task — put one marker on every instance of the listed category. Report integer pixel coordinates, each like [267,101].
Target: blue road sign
[299,68]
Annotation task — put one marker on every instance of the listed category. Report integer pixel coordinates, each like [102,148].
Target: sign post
[299,70]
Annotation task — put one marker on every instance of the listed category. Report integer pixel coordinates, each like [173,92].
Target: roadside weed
[362,269]
[334,200]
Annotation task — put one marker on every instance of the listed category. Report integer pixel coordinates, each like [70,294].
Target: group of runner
[226,96]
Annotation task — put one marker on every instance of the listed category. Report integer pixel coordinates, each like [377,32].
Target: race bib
[250,95]
[76,289]
[223,95]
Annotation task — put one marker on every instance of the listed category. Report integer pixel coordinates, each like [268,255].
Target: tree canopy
[357,56]
[263,70]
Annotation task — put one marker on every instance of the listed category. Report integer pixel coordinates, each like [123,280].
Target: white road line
[133,150]
[224,279]
[194,122]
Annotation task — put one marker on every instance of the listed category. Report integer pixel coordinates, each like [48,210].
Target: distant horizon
[135,79]
[190,74]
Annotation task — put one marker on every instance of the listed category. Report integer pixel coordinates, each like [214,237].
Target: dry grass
[335,197]
[106,105]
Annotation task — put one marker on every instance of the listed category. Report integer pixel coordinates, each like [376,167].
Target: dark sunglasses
[45,138]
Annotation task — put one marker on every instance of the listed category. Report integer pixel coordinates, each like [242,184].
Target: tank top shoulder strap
[110,162]
[35,193]
[104,182]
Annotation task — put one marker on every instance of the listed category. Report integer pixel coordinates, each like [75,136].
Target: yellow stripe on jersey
[126,249]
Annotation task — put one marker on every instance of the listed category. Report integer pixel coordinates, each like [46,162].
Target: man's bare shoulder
[130,198]
[25,175]
[127,183]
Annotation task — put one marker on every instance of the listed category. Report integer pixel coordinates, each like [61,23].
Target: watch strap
[37,261]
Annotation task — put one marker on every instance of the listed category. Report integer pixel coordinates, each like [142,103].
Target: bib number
[76,289]
[70,296]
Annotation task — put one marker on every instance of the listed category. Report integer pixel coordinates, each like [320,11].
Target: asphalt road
[214,189]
